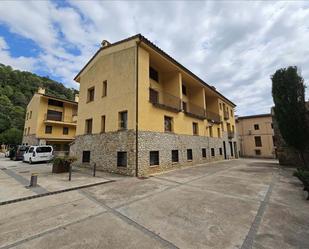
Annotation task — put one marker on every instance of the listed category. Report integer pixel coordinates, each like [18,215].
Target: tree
[11,136]
[288,91]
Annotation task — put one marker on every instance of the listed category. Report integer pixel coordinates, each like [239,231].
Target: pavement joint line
[249,240]
[131,222]
[52,193]
[17,243]
[23,181]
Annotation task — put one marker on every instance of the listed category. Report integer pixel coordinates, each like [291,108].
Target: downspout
[136,111]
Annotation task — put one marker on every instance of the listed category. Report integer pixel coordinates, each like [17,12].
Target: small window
[90,95]
[220,151]
[195,128]
[175,156]
[219,132]
[86,156]
[212,151]
[153,74]
[189,155]
[210,131]
[257,152]
[220,106]
[88,126]
[104,88]
[30,115]
[168,124]
[122,159]
[123,120]
[154,158]
[231,113]
[256,127]
[28,130]
[272,125]
[103,123]
[258,141]
[203,152]
[184,90]
[65,130]
[48,129]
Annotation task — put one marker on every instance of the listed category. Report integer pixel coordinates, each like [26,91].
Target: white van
[38,154]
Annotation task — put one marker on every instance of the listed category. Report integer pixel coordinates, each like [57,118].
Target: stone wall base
[30,140]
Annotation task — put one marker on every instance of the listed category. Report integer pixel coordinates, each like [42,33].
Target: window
[122,159]
[175,157]
[258,141]
[210,131]
[27,116]
[256,127]
[90,95]
[220,151]
[168,124]
[153,74]
[154,158]
[222,126]
[203,152]
[30,115]
[257,152]
[31,150]
[104,88]
[231,113]
[86,156]
[272,125]
[54,115]
[43,149]
[123,120]
[88,126]
[55,102]
[184,90]
[219,132]
[65,130]
[220,106]
[274,140]
[48,129]
[195,128]
[184,106]
[212,152]
[28,130]
[103,123]
[189,155]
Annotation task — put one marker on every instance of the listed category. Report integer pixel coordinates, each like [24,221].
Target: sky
[234,46]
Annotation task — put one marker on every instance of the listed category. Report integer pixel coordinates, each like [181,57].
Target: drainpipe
[136,109]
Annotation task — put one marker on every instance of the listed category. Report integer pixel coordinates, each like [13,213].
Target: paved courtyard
[242,203]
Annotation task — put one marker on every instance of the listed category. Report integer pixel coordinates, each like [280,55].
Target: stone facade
[104,147]
[30,140]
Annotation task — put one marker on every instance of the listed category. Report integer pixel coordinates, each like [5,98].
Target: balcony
[213,117]
[57,119]
[226,115]
[193,110]
[164,100]
[230,134]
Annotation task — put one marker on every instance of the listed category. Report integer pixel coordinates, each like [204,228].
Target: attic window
[153,74]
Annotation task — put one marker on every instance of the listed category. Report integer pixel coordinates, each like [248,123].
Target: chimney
[76,98]
[41,90]
[105,43]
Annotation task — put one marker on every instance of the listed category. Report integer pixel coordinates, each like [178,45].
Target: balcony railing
[226,115]
[213,117]
[164,100]
[53,117]
[194,111]
[230,134]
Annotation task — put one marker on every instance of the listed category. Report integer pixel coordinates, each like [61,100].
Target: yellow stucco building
[256,136]
[140,112]
[50,120]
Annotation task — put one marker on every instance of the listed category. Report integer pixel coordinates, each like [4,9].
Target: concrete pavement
[243,203]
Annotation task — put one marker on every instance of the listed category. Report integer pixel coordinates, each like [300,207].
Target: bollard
[94,169]
[34,180]
[70,172]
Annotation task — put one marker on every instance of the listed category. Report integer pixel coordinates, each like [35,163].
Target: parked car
[17,153]
[43,153]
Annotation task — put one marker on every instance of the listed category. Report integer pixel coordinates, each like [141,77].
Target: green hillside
[16,90]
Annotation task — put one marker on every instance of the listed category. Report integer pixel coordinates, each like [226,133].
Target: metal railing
[230,134]
[164,100]
[213,117]
[194,111]
[226,114]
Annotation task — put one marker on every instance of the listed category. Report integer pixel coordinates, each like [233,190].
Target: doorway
[224,150]
[235,150]
[231,148]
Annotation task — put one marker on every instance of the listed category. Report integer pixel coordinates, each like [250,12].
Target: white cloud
[234,46]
